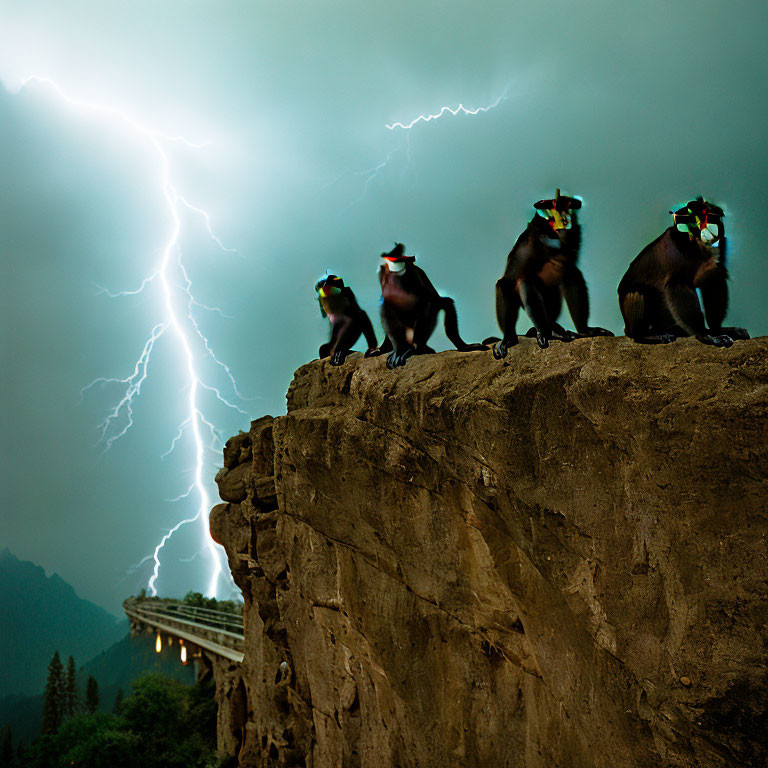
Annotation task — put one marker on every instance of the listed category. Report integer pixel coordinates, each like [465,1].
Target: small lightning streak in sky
[176,301]
[370,174]
[460,110]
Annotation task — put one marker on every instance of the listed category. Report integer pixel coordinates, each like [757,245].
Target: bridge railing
[206,616]
[220,632]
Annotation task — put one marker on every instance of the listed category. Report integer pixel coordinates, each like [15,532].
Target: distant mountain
[40,615]
[114,669]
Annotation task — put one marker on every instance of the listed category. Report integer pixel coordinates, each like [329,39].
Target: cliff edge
[558,560]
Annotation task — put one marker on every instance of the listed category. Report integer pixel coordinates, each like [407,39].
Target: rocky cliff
[559,560]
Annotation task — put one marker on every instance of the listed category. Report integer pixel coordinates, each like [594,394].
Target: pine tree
[92,695]
[70,689]
[118,702]
[53,701]
[6,746]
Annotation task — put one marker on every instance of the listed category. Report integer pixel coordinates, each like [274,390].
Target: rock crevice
[559,560]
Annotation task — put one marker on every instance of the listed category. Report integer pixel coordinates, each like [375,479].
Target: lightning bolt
[177,302]
[370,174]
[460,110]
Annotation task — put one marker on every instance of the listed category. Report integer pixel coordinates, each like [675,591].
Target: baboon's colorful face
[559,211]
[330,285]
[558,219]
[701,220]
[396,260]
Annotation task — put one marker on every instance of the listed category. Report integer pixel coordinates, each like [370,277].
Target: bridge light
[158,643]
[183,652]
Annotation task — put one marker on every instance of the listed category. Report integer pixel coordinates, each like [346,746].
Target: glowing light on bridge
[158,643]
[176,302]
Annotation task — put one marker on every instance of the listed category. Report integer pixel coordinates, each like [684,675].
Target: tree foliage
[87,741]
[70,695]
[160,724]
[198,600]
[6,745]
[53,698]
[91,695]
[118,701]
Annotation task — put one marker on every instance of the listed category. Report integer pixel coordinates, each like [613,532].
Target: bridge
[218,632]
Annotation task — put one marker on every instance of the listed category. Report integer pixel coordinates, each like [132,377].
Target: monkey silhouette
[410,305]
[348,319]
[541,270]
[658,294]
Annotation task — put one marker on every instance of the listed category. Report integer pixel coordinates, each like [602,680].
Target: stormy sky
[633,106]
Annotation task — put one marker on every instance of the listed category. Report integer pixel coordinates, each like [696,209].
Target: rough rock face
[559,560]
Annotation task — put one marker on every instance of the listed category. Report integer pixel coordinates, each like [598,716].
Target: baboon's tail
[452,326]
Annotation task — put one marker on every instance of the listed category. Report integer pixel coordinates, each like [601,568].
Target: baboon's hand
[561,334]
[500,350]
[594,331]
[715,341]
[396,361]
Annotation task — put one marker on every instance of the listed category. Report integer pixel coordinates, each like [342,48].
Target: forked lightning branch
[176,303]
[177,325]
